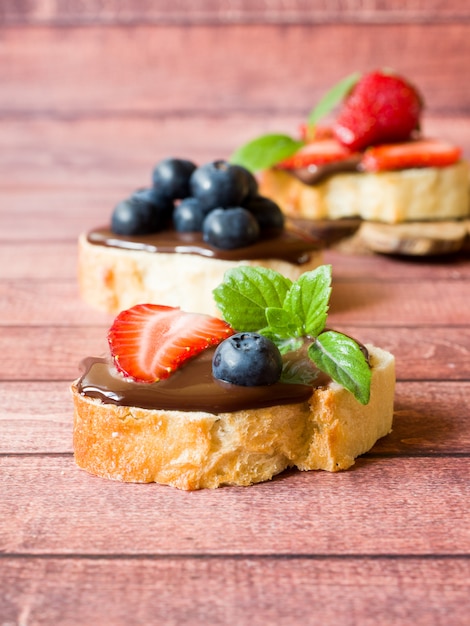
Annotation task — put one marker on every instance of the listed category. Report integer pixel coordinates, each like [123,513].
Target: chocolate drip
[191,388]
[316,174]
[292,246]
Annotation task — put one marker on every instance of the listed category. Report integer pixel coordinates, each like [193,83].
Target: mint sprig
[341,358]
[333,97]
[268,150]
[265,151]
[258,299]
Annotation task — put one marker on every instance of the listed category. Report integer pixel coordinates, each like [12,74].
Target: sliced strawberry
[316,153]
[397,156]
[313,133]
[381,108]
[149,341]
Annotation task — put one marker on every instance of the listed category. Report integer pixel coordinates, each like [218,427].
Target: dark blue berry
[142,213]
[231,228]
[251,182]
[188,216]
[219,184]
[247,359]
[267,213]
[171,177]
[163,206]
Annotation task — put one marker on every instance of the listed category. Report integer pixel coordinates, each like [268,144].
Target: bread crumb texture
[415,194]
[114,279]
[195,450]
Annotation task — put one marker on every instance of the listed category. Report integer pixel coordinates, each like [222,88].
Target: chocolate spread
[190,388]
[316,174]
[292,246]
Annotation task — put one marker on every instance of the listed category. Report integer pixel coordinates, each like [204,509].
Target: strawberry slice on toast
[319,152]
[422,153]
[148,342]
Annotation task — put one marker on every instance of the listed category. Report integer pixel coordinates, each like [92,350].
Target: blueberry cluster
[247,359]
[219,199]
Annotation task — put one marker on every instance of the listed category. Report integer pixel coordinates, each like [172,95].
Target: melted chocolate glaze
[191,388]
[289,245]
[316,174]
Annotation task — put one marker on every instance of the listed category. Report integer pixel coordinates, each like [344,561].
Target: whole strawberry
[381,108]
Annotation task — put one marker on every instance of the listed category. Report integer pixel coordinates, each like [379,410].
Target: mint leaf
[282,323]
[245,294]
[258,299]
[308,299]
[265,151]
[341,358]
[333,97]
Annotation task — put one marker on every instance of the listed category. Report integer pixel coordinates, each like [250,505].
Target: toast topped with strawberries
[194,401]
[369,168]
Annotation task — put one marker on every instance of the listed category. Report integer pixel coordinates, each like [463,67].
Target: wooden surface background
[93,93]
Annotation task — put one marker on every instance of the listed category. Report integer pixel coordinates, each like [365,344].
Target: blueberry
[188,216]
[231,228]
[142,213]
[267,213]
[219,184]
[171,177]
[251,182]
[247,359]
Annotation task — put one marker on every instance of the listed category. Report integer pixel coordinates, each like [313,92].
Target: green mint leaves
[265,151]
[342,359]
[268,150]
[257,299]
[333,97]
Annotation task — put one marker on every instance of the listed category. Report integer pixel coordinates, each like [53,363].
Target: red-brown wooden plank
[221,591]
[397,506]
[52,168]
[430,418]
[363,303]
[369,303]
[35,417]
[53,353]
[348,266]
[46,304]
[229,12]
[39,258]
[175,69]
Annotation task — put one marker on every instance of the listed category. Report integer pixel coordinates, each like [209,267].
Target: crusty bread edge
[194,450]
[113,279]
[415,194]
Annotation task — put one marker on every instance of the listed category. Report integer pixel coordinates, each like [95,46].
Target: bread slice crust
[115,279]
[195,450]
[414,194]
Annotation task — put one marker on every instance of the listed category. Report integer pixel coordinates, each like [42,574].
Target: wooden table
[386,542]
[88,105]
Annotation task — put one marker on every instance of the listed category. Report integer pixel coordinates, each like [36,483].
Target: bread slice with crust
[193,450]
[414,194]
[113,279]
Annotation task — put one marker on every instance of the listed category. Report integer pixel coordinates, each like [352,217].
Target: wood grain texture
[363,303]
[82,167]
[229,11]
[175,592]
[38,259]
[94,93]
[146,69]
[407,506]
[46,352]
[430,418]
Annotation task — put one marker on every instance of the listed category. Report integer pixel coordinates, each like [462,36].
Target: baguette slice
[113,279]
[415,194]
[194,450]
